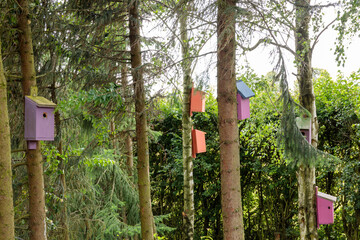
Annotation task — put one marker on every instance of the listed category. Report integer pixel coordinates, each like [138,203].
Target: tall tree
[306,173]
[6,194]
[146,215]
[188,214]
[228,129]
[128,139]
[37,220]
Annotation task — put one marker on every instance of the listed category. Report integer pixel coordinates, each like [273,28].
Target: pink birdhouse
[304,125]
[39,120]
[198,142]
[197,101]
[324,208]
[242,97]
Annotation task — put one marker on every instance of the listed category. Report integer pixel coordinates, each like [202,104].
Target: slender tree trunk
[63,218]
[228,130]
[146,215]
[128,139]
[6,193]
[306,174]
[188,214]
[37,220]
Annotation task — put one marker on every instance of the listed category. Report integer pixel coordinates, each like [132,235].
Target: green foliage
[338,104]
[296,148]
[347,27]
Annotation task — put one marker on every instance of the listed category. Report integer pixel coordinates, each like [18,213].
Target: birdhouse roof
[326,196]
[303,123]
[244,90]
[41,101]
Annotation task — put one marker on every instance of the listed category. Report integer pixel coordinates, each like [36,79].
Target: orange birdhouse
[198,142]
[197,101]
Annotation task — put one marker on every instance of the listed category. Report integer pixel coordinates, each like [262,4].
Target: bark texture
[6,194]
[63,218]
[26,47]
[128,139]
[37,219]
[188,215]
[146,216]
[306,174]
[228,129]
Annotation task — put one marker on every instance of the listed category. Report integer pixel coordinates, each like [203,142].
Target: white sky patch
[260,59]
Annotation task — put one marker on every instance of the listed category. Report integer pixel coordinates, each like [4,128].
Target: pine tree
[228,129]
[146,215]
[6,194]
[188,214]
[306,173]
[37,220]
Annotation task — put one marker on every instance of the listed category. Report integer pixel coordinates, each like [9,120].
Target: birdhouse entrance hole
[44,115]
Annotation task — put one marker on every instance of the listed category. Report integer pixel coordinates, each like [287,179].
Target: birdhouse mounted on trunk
[198,142]
[39,120]
[324,208]
[304,125]
[197,101]
[242,97]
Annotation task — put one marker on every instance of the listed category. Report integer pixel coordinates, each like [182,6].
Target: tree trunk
[146,216]
[188,215]
[228,129]
[37,220]
[6,193]
[128,139]
[306,174]
[63,218]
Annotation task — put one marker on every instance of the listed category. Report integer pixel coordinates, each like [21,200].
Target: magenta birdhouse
[242,97]
[39,120]
[198,142]
[304,125]
[197,101]
[324,208]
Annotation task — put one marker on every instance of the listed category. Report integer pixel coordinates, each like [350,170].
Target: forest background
[82,59]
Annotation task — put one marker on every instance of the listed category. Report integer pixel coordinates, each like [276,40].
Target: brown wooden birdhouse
[198,142]
[197,101]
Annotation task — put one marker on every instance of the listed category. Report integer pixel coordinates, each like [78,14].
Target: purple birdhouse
[324,208]
[198,142]
[39,120]
[242,97]
[304,125]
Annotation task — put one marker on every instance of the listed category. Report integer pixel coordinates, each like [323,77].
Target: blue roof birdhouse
[242,97]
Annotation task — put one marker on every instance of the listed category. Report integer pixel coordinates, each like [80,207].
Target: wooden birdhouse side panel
[243,107]
[197,101]
[198,142]
[30,120]
[193,137]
